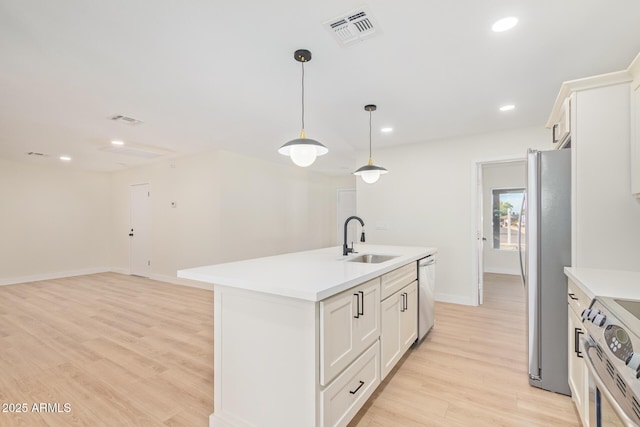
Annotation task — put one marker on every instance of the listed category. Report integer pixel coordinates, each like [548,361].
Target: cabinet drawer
[342,399]
[397,279]
[577,298]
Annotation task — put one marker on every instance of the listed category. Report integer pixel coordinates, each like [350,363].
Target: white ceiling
[220,74]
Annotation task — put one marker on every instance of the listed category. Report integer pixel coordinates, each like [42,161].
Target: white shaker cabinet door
[367,325]
[409,316]
[399,327]
[349,323]
[577,369]
[390,332]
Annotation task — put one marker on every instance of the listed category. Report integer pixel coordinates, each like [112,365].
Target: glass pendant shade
[370,173]
[303,151]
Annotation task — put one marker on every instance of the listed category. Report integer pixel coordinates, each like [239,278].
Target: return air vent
[353,26]
[125,119]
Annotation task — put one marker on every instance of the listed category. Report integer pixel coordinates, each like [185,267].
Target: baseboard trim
[181,282]
[87,271]
[455,299]
[512,272]
[52,276]
[120,270]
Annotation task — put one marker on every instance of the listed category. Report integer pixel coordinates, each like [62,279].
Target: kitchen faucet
[346,249]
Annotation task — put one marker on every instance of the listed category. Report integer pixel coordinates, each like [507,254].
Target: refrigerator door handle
[532,287]
[522,214]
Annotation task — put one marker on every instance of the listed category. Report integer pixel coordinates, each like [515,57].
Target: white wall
[497,176]
[229,207]
[55,221]
[427,199]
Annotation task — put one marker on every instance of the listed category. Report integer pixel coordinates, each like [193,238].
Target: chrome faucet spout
[345,248]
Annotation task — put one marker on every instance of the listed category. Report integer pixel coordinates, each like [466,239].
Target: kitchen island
[304,339]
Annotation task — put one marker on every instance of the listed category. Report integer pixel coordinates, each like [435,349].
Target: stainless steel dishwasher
[426,299]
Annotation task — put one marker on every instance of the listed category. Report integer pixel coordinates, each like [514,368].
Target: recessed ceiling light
[117,142]
[386,130]
[65,158]
[504,24]
[507,107]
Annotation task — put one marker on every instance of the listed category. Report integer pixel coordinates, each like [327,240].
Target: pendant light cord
[302,94]
[369,134]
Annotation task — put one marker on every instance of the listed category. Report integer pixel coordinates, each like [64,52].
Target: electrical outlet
[382,225]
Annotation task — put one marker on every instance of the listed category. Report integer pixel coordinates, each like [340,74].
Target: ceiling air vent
[125,119]
[353,26]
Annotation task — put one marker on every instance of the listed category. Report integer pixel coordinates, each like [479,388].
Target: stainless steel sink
[372,258]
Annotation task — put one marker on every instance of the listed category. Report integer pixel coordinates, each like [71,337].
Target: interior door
[480,239]
[140,230]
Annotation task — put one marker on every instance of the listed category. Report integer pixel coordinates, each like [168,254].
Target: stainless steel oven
[611,351]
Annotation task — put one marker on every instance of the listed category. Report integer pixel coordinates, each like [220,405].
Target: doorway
[499,188]
[140,230]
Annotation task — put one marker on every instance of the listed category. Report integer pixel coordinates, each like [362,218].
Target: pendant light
[303,150]
[370,173]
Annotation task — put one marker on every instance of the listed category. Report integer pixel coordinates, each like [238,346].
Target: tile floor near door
[127,351]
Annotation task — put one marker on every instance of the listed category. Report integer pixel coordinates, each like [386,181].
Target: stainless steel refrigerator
[547,215]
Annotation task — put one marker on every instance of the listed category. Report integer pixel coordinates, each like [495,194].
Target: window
[507,205]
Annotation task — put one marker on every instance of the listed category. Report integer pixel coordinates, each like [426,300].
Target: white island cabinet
[297,337]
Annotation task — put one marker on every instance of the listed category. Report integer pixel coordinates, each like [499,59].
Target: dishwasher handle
[427,263]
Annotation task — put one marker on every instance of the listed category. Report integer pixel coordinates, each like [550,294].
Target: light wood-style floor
[471,370]
[127,351]
[121,350]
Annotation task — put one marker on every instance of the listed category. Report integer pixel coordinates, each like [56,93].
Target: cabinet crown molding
[608,79]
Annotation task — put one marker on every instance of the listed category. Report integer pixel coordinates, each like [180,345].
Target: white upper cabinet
[561,129]
[605,167]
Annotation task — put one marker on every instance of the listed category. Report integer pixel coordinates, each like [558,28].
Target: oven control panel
[618,342]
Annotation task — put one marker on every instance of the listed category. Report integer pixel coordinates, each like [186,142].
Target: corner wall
[54,222]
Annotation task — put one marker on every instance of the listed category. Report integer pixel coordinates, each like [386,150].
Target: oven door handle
[587,344]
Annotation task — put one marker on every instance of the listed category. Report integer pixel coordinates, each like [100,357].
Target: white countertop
[606,283]
[311,275]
